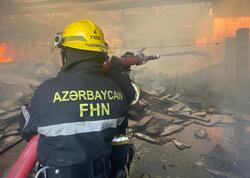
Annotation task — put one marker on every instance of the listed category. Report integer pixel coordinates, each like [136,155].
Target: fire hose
[129,61]
[28,157]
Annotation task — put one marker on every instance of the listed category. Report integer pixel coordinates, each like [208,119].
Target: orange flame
[223,28]
[201,41]
[3,58]
[227,27]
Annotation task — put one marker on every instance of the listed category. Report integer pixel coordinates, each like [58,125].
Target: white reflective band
[137,93]
[26,115]
[120,139]
[79,127]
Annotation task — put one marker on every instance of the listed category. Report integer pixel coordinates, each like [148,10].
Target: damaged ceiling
[39,20]
[45,6]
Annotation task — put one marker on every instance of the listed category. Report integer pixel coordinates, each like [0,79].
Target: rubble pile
[157,117]
[222,163]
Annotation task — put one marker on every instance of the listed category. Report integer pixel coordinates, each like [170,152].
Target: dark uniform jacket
[77,114]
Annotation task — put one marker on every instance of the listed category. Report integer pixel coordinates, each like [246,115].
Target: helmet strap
[63,56]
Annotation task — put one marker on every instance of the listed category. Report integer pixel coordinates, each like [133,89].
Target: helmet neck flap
[71,58]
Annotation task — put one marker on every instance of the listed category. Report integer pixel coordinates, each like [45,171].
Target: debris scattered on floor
[158,141]
[180,144]
[159,115]
[10,112]
[155,118]
[200,163]
[9,141]
[221,162]
[145,175]
[172,165]
[201,133]
[244,117]
[164,167]
[144,121]
[170,129]
[224,119]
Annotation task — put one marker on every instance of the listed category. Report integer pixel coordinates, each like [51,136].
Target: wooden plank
[208,124]
[9,142]
[157,140]
[171,129]
[179,144]
[189,116]
[144,121]
[162,116]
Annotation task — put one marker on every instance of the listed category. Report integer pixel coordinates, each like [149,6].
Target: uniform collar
[83,67]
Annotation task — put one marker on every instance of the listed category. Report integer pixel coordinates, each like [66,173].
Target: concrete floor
[168,161]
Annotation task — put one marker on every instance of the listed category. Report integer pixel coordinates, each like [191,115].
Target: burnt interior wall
[229,60]
[242,54]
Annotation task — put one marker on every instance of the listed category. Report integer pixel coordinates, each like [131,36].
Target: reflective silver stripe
[137,93]
[26,115]
[120,139]
[79,127]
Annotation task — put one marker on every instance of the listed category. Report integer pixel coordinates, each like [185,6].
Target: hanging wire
[174,46]
[135,47]
[2,43]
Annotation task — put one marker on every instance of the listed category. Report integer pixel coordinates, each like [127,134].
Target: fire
[3,58]
[223,28]
[227,27]
[215,133]
[201,41]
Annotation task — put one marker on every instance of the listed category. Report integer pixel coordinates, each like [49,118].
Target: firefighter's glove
[127,55]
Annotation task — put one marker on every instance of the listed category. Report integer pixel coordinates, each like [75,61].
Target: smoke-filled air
[193,115]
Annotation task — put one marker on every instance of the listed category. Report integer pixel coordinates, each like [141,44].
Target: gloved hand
[121,78]
[127,55]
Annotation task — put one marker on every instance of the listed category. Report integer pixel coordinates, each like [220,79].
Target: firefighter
[81,113]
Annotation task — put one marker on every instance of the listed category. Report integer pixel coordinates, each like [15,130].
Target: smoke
[176,32]
[169,30]
[231,8]
[172,30]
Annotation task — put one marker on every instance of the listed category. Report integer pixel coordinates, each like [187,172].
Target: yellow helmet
[84,35]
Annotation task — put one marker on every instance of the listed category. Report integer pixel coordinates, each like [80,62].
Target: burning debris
[201,133]
[193,35]
[4,58]
[157,117]
[163,117]
[220,162]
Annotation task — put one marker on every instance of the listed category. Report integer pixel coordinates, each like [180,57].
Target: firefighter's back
[79,114]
